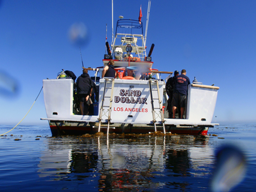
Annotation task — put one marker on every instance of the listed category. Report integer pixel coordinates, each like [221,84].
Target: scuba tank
[62,75]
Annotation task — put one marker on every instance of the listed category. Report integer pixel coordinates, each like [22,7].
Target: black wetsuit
[170,86]
[84,84]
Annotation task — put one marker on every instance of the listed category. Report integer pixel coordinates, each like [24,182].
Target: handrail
[165,72]
[205,86]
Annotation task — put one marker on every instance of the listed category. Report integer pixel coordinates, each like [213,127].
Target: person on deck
[130,72]
[170,86]
[109,70]
[180,93]
[84,90]
[94,98]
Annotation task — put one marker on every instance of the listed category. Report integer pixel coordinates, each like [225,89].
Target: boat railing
[131,39]
[98,72]
[129,34]
[129,24]
[205,86]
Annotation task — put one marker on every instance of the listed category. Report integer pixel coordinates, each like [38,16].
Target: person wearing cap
[109,70]
[170,86]
[130,72]
[84,89]
[180,93]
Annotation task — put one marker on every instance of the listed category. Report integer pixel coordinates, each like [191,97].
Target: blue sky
[215,41]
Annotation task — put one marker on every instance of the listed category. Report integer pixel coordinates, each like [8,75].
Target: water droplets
[8,85]
[79,34]
[230,168]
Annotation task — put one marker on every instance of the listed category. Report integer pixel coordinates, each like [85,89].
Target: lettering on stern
[130,97]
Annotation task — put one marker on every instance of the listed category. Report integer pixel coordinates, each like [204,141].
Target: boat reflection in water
[127,161]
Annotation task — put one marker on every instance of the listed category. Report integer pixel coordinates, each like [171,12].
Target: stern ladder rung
[159,102]
[109,107]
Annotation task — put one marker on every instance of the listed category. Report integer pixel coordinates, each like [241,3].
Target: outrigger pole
[146,31]
[106,37]
[112,22]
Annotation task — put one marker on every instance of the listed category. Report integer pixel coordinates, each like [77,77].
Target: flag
[140,15]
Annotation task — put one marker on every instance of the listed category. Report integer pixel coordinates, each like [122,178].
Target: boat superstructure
[127,104]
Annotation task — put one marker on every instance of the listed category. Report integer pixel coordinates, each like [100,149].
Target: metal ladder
[160,105]
[105,107]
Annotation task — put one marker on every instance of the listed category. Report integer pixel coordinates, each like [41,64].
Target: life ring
[132,59]
[128,78]
[136,59]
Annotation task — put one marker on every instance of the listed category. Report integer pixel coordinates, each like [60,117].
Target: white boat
[128,105]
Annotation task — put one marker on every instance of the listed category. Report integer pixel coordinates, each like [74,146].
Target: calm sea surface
[32,160]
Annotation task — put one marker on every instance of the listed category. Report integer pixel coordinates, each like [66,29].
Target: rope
[26,113]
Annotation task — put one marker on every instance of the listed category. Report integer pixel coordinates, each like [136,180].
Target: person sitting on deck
[180,93]
[84,90]
[109,70]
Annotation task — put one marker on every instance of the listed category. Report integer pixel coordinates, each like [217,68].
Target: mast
[112,22]
[146,31]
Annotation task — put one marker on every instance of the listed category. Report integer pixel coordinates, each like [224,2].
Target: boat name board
[130,96]
[131,100]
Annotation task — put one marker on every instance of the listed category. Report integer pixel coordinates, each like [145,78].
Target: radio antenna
[81,57]
[106,37]
[112,22]
[146,32]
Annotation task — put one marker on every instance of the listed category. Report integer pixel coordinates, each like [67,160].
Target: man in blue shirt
[180,93]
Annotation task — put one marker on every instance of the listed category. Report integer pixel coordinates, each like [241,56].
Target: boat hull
[78,128]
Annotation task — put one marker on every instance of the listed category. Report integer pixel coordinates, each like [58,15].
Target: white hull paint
[58,97]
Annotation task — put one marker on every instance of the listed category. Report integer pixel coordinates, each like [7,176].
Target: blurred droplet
[8,85]
[78,34]
[230,168]
[119,161]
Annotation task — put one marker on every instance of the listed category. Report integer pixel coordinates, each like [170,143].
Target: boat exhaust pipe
[108,56]
[108,48]
[148,58]
[151,50]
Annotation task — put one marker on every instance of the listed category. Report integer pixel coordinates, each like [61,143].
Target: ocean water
[32,160]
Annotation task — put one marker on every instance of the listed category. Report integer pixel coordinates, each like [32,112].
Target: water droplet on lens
[8,85]
[230,168]
[79,34]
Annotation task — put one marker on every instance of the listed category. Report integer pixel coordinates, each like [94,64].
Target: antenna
[106,32]
[81,57]
[112,22]
[106,37]
[149,5]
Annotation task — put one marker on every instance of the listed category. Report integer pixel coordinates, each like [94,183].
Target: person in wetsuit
[84,90]
[170,86]
[109,70]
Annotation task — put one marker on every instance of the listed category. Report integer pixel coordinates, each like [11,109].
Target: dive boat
[127,104]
